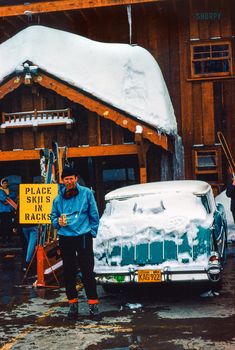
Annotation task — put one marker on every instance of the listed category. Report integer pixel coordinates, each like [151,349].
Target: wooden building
[192,41]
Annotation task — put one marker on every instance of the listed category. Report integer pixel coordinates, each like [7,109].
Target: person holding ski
[75,215]
[230,192]
[6,211]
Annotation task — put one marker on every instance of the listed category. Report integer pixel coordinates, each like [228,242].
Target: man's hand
[62,220]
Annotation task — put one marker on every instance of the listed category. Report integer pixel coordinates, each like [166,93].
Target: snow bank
[223,199]
[124,76]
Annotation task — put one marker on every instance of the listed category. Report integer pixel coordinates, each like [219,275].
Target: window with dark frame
[206,160]
[207,164]
[211,59]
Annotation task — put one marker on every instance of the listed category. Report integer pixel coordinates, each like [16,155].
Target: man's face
[5,184]
[70,181]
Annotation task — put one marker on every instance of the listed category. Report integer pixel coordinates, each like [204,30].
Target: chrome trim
[210,273]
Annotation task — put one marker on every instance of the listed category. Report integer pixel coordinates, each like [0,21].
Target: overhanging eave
[90,103]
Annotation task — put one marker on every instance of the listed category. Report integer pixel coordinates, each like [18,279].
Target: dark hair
[4,180]
[68,171]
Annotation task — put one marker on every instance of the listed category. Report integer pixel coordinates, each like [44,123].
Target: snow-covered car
[168,231]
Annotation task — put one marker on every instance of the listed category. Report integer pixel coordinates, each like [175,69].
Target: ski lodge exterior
[193,43]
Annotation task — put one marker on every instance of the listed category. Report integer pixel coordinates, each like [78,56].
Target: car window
[157,204]
[135,206]
[206,203]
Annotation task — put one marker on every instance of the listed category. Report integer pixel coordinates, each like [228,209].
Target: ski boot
[94,312]
[73,311]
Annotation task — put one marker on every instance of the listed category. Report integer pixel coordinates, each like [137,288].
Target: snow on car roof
[185,186]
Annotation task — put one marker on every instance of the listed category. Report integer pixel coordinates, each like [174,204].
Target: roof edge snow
[123,76]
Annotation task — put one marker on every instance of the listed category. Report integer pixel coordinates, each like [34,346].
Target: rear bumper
[212,273]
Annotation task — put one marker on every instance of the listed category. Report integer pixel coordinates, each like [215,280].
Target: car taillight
[214,258]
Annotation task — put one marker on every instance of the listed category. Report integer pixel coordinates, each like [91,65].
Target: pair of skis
[227,152]
[49,164]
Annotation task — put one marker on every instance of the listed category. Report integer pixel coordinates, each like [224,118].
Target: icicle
[29,15]
[178,159]
[165,167]
[130,23]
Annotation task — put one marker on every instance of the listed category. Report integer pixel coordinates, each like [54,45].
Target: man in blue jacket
[75,215]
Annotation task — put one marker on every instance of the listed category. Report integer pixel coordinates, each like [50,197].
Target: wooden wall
[206,103]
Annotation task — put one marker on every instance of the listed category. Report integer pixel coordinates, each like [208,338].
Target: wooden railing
[35,115]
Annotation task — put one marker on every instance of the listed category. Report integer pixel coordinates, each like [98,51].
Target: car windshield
[186,204]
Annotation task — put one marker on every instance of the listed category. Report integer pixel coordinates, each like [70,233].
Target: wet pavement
[164,317]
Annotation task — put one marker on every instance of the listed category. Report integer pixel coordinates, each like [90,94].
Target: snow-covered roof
[126,77]
[184,186]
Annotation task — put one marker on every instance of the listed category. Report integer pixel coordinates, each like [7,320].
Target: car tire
[216,286]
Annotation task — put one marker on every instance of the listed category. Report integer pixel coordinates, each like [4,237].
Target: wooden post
[143,175]
[60,161]
[142,149]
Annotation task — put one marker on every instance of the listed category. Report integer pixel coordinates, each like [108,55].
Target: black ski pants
[6,226]
[78,252]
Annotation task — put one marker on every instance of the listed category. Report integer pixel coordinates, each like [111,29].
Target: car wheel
[216,286]
[210,286]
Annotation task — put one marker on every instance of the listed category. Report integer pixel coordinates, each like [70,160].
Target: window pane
[128,137]
[198,68]
[206,160]
[202,55]
[211,59]
[216,66]
[201,48]
[220,54]
[220,47]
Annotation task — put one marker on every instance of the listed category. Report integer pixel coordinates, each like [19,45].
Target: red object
[40,266]
[93,301]
[43,263]
[11,202]
[72,301]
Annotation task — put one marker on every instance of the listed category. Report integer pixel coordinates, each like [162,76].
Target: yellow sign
[35,203]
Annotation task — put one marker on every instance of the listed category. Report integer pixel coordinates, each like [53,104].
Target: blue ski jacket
[81,212]
[4,206]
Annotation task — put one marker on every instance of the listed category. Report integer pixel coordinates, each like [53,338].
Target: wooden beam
[100,151]
[10,86]
[143,175]
[73,152]
[9,156]
[142,148]
[64,5]
[103,110]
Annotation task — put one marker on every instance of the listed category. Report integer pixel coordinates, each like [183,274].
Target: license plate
[149,276]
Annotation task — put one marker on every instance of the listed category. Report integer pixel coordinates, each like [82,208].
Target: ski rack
[47,252]
[227,152]
[42,260]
